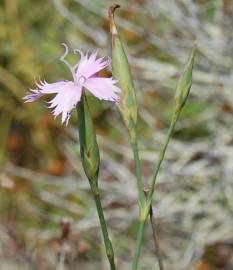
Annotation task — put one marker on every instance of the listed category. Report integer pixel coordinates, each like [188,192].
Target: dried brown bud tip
[111,11]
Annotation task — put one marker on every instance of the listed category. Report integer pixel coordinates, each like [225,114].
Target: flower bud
[122,73]
[184,84]
[89,149]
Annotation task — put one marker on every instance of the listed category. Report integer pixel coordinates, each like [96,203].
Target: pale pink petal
[50,88]
[103,88]
[46,88]
[32,95]
[65,101]
[90,65]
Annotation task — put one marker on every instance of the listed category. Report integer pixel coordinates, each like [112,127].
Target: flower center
[82,79]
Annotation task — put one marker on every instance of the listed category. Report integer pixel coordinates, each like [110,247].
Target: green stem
[138,244]
[137,165]
[156,239]
[107,241]
[146,209]
[161,156]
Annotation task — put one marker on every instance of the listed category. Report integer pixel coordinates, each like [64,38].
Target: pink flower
[68,93]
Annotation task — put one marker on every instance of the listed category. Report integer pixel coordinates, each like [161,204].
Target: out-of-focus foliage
[46,211]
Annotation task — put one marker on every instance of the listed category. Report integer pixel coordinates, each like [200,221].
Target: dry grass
[194,199]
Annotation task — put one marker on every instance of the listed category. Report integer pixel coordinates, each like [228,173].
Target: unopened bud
[122,73]
[184,84]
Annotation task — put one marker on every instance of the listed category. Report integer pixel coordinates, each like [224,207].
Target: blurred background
[47,217]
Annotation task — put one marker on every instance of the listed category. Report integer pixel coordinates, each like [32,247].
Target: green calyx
[89,149]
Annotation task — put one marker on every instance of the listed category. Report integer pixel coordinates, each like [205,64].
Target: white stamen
[82,80]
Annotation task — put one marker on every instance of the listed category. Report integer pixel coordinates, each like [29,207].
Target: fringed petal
[103,88]
[46,88]
[32,95]
[51,88]
[65,101]
[89,65]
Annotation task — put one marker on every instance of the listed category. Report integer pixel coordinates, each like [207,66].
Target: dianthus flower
[68,93]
